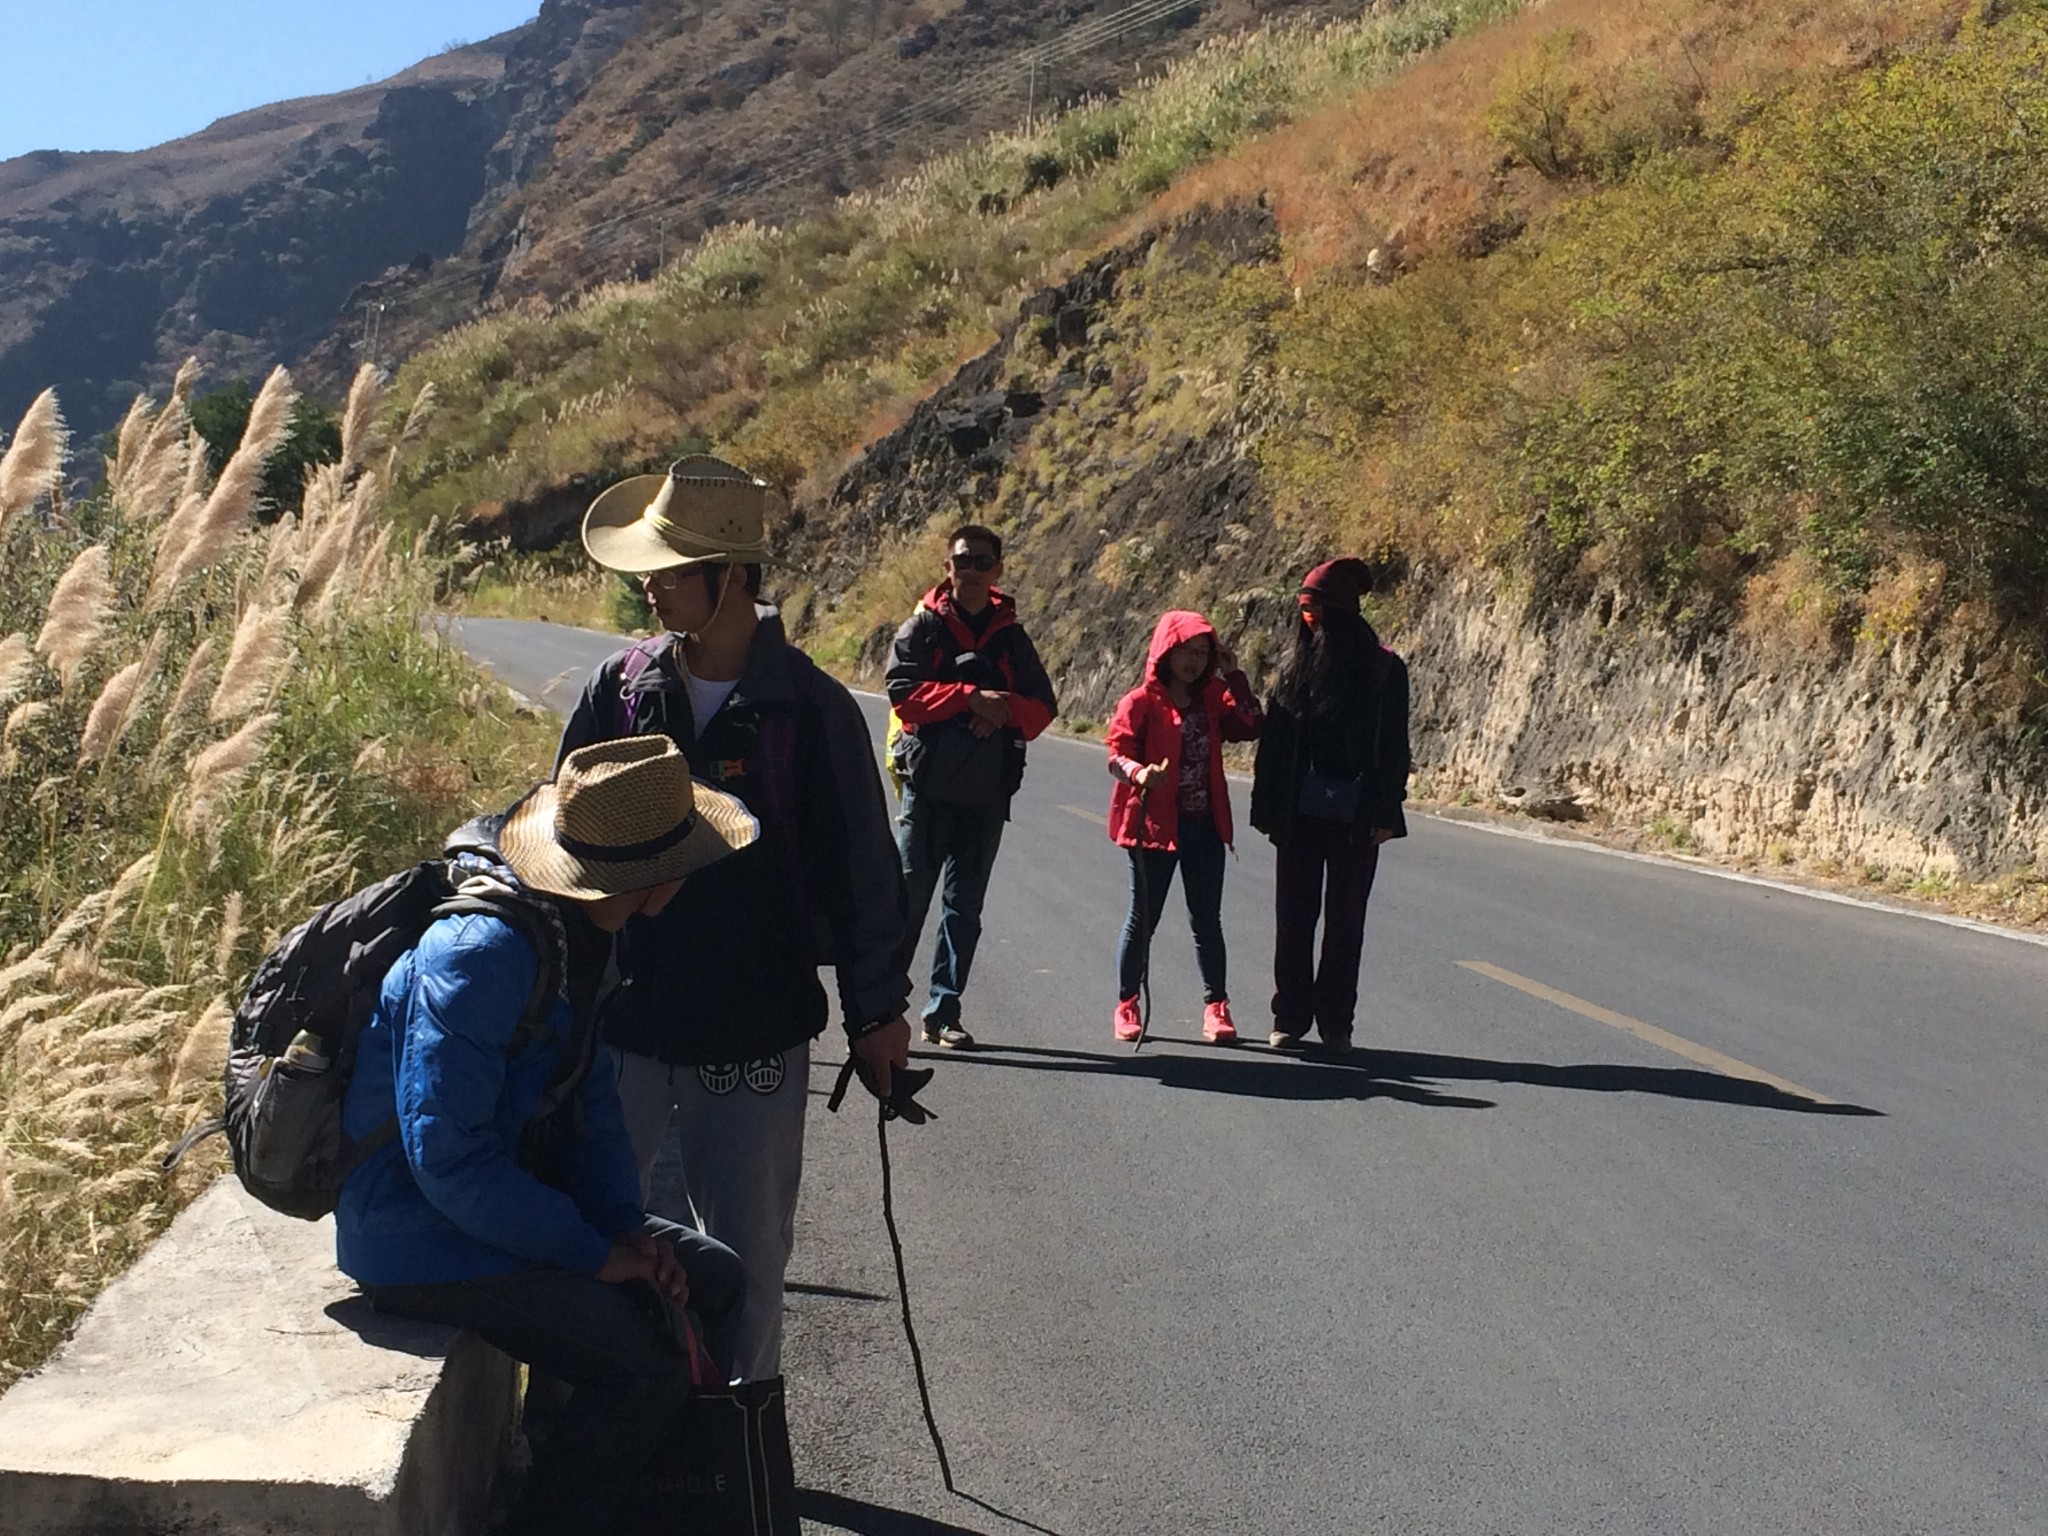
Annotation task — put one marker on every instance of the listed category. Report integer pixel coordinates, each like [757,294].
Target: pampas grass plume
[114,711]
[278,555]
[259,652]
[212,531]
[34,461]
[15,659]
[215,772]
[130,439]
[359,417]
[230,937]
[192,682]
[77,615]
[150,484]
[204,1052]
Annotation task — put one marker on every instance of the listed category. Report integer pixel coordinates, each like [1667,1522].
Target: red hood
[940,601]
[1177,626]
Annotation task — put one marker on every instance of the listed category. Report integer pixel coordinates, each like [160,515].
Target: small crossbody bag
[1328,798]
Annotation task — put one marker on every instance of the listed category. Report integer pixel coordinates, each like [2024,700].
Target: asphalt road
[1732,1224]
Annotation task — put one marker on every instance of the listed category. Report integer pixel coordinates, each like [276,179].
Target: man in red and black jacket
[970,690]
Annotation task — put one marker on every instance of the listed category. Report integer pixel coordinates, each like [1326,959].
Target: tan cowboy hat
[703,509]
[620,816]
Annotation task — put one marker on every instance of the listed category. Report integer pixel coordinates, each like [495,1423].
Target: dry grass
[1415,167]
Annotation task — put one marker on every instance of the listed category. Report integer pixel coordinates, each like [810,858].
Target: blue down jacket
[447,1200]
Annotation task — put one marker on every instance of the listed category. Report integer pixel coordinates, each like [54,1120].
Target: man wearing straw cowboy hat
[720,996]
[509,1200]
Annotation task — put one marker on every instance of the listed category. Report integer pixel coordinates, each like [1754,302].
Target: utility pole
[1031,98]
[661,246]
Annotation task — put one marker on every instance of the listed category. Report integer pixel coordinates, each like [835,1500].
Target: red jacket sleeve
[1028,715]
[1123,738]
[1032,705]
[934,701]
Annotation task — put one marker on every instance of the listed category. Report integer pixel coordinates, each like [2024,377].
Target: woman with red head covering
[1171,805]
[1332,772]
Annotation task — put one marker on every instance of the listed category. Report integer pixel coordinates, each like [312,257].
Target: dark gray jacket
[729,970]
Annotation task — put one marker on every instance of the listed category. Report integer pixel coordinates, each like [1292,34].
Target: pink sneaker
[1128,1025]
[1217,1026]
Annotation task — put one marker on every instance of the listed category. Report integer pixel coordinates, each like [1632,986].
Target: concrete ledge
[234,1384]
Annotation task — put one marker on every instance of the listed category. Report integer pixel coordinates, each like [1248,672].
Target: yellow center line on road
[1678,1045]
[1086,815]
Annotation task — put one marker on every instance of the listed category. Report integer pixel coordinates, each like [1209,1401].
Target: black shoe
[1280,1040]
[1338,1045]
[951,1036]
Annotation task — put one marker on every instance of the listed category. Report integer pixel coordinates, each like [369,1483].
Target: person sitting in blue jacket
[531,1231]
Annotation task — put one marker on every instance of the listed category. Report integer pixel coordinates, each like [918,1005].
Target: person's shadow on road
[1404,1076]
[1250,1074]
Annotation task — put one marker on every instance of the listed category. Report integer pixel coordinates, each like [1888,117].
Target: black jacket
[1369,740]
[729,970]
[940,658]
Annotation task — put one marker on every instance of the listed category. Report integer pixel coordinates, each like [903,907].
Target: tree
[313,438]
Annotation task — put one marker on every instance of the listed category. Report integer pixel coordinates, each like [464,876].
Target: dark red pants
[1325,870]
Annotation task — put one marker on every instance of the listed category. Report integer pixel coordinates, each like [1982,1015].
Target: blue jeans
[957,843]
[1200,861]
[611,1344]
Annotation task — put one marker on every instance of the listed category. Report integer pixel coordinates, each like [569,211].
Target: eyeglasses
[663,581]
[976,562]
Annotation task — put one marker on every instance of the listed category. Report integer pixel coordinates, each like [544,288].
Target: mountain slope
[243,242]
[1680,366]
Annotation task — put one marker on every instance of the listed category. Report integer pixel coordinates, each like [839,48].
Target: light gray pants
[741,1134]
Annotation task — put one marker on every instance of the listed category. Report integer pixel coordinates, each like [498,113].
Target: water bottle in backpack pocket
[294,1109]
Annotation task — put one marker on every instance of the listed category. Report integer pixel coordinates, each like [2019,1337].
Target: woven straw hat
[620,816]
[703,509]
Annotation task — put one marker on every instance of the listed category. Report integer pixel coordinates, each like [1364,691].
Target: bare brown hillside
[242,243]
[724,110]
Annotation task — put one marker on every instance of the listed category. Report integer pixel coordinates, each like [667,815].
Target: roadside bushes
[1822,352]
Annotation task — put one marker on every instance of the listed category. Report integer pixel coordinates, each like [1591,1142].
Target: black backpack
[292,1046]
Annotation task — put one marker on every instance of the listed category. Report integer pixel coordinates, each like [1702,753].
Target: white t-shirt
[706,698]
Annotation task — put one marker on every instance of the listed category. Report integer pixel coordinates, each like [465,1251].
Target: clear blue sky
[125,74]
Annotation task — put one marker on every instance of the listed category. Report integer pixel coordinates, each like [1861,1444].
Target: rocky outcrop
[1888,756]
[554,61]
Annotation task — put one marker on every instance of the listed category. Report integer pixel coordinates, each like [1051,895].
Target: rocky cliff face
[244,243]
[1886,757]
[1123,462]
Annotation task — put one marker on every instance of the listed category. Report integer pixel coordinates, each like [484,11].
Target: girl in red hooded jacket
[1171,804]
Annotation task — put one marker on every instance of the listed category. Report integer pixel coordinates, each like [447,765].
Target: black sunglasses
[976,562]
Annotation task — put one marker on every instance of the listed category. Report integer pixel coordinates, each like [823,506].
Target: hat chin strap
[717,601]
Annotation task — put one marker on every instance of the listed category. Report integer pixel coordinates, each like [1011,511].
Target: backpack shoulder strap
[550,944]
[640,655]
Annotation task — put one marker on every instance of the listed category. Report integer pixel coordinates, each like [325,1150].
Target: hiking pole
[900,1104]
